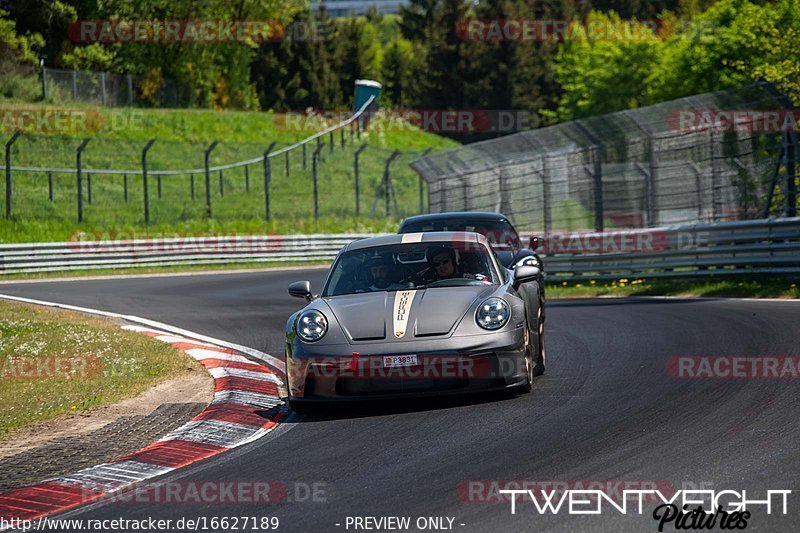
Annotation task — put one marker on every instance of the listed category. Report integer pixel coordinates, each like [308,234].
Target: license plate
[390,361]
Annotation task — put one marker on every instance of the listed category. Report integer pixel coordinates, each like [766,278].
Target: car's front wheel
[301,407]
[540,354]
[529,363]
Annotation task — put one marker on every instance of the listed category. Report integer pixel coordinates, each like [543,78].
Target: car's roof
[469,215]
[427,237]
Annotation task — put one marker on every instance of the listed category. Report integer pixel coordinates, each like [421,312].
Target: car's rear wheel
[541,358]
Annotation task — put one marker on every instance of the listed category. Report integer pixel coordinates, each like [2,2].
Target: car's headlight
[493,314]
[312,326]
[528,260]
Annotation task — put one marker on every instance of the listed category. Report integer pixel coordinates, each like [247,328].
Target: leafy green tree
[733,43]
[49,18]
[603,75]
[15,48]
[357,54]
[399,73]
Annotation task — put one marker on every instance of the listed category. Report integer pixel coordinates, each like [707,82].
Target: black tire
[541,357]
[301,407]
[526,387]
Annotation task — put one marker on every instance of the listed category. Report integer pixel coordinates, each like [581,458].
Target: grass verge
[734,287]
[54,362]
[44,205]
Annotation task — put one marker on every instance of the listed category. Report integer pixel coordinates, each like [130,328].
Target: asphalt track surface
[605,410]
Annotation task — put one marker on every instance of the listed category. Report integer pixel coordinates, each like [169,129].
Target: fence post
[50,186]
[44,81]
[652,176]
[129,81]
[206,155]
[791,168]
[465,193]
[10,142]
[144,180]
[716,171]
[314,159]
[79,166]
[286,158]
[356,170]
[388,190]
[504,205]
[547,214]
[341,137]
[191,185]
[597,174]
[267,178]
[247,178]
[221,183]
[304,156]
[352,130]
[89,187]
[125,186]
[698,189]
[422,186]
[330,138]
[159,186]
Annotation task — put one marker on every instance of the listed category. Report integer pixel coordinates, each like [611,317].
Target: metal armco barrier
[770,246]
[104,254]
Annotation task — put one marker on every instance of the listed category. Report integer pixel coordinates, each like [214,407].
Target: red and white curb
[246,406]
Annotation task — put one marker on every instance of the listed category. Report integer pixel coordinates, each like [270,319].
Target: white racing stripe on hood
[401,311]
[411,237]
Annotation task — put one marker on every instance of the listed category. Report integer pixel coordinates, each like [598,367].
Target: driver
[378,273]
[443,261]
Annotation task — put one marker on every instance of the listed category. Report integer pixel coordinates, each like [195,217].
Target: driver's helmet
[377,260]
[433,251]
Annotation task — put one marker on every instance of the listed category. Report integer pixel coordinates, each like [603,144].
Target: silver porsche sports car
[415,314]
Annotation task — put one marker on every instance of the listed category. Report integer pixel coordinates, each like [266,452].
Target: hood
[405,315]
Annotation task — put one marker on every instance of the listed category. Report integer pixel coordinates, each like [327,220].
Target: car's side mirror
[533,244]
[301,289]
[525,273]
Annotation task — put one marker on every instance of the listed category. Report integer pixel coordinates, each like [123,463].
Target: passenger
[443,261]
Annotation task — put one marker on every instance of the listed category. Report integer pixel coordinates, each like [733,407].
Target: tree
[600,76]
[399,73]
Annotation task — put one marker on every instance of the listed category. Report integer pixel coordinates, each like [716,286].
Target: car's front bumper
[455,365]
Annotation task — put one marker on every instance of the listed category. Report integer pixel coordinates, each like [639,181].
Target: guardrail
[770,246]
[92,255]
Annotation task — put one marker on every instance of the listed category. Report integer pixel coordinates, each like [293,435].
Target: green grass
[57,362]
[733,287]
[182,136]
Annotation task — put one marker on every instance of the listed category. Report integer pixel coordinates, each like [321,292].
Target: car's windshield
[411,266]
[500,234]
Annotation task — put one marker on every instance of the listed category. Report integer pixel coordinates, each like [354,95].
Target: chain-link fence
[104,88]
[338,176]
[706,158]
[106,180]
